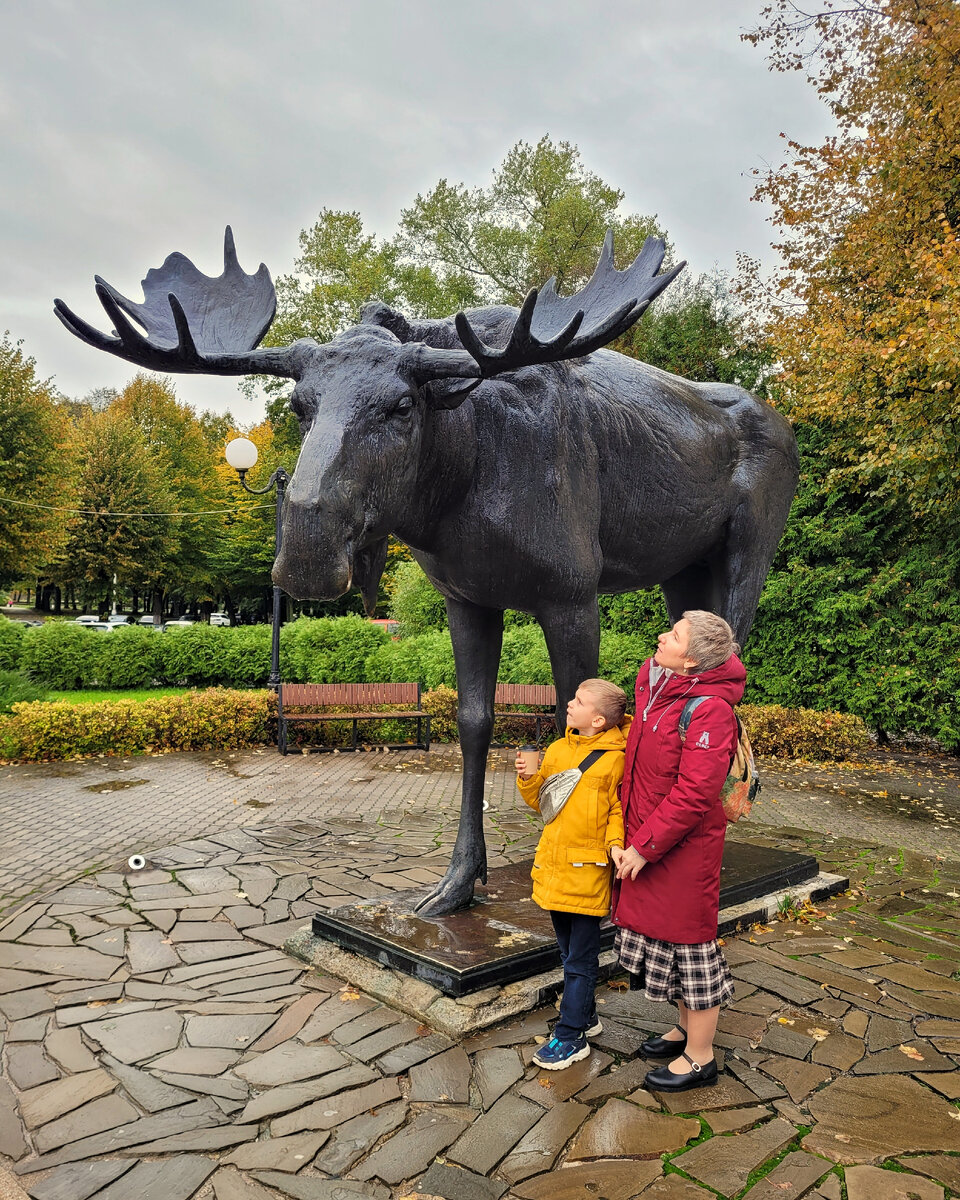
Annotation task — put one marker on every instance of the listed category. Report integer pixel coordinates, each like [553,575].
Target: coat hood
[727,681]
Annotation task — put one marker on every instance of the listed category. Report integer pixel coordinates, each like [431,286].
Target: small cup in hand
[528,761]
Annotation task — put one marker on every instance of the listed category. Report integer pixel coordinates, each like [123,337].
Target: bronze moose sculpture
[525,466]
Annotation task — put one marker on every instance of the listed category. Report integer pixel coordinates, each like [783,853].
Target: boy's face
[582,713]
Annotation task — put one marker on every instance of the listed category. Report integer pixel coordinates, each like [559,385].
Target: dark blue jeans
[578,937]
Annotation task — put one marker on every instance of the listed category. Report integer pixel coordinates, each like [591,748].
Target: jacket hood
[614,738]
[727,681]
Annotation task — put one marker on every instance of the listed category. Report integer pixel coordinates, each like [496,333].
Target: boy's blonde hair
[711,639]
[610,700]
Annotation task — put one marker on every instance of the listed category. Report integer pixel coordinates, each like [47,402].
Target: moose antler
[550,328]
[193,322]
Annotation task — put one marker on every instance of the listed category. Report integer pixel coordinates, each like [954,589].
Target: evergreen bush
[246,655]
[193,656]
[60,655]
[16,687]
[129,657]
[331,649]
[11,643]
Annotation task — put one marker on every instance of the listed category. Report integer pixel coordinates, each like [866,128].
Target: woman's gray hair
[711,639]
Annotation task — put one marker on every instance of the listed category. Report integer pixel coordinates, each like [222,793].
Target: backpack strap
[691,706]
[592,757]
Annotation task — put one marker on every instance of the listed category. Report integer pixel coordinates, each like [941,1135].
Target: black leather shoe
[659,1047]
[664,1080]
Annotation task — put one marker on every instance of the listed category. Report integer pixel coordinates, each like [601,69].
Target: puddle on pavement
[257,804]
[114,785]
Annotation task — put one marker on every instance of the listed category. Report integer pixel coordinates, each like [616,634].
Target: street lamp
[242,454]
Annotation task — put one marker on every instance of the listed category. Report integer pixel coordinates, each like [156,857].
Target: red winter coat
[671,804]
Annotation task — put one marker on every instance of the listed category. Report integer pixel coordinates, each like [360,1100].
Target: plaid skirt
[698,975]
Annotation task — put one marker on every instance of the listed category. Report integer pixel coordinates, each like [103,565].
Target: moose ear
[447,393]
[378,313]
[368,566]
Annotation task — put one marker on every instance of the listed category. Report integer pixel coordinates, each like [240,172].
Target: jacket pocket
[587,856]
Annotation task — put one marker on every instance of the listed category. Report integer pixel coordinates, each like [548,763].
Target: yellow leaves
[911,1052]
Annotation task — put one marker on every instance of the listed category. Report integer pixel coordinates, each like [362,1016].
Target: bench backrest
[357,695]
[544,694]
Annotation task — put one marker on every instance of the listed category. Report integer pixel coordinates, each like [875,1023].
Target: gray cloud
[128,131]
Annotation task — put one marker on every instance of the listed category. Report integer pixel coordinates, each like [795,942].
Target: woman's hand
[630,865]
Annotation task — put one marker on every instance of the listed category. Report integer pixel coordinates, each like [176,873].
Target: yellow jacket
[572,870]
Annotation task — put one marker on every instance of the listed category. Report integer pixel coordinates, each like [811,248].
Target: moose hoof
[455,890]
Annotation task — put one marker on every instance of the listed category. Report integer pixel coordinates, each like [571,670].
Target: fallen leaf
[911,1052]
[618,985]
[348,995]
[545,1083]
[819,1035]
[842,1137]
[785,1021]
[539,1040]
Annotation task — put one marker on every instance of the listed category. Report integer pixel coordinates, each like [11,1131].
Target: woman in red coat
[667,898]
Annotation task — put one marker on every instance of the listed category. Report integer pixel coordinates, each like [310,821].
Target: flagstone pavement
[157,1041]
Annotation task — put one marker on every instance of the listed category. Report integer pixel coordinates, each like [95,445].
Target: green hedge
[11,643]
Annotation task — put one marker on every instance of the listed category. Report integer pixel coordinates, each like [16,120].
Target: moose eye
[403,407]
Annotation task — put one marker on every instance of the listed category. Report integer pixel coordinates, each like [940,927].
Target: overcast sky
[128,130]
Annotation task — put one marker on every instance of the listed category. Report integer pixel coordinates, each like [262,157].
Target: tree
[121,533]
[35,466]
[864,314]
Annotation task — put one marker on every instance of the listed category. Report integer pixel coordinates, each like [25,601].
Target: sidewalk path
[157,1042]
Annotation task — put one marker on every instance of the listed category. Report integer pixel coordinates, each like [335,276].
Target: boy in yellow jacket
[571,873]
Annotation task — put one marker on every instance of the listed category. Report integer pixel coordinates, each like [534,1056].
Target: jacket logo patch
[704,741]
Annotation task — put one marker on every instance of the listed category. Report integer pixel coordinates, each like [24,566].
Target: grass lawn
[94,695]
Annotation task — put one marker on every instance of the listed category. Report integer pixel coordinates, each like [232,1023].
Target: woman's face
[672,647]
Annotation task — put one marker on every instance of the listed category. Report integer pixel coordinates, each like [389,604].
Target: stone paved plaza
[159,1043]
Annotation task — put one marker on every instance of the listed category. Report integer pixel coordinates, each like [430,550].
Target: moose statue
[525,466]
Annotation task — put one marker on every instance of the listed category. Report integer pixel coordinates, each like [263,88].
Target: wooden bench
[363,702]
[539,701]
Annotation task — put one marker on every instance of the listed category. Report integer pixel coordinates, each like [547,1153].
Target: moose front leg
[477,635]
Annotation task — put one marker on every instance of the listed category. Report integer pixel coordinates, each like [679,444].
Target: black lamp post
[242,454]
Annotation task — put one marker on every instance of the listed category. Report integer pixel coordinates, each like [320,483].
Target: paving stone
[26,1003]
[938,1027]
[942,1167]
[855,1023]
[494,1071]
[772,979]
[150,1093]
[799,1078]
[333,1013]
[65,1047]
[352,1139]
[293,1020]
[46,937]
[732,1120]
[829,1189]
[454,1183]
[839,1051]
[275,910]
[278,1154]
[203,931]
[946,1085]
[100,1008]
[291,1063]
[872,1183]
[13,927]
[190,1061]
[137,1036]
[895,1061]
[446,1077]
[276,935]
[136,989]
[868,1120]
[16,981]
[111,941]
[13,1141]
[28,1067]
[724,1163]
[243,915]
[206,880]
[186,902]
[335,1109]
[28,1029]
[51,1100]
[301,1188]
[227,1086]
[79,1181]
[171,1179]
[195,953]
[611,1180]
[201,1139]
[387,1039]
[357,1028]
[255,986]
[162,918]
[797,1172]
[75,962]
[620,1129]
[411,1150]
[779,1039]
[725,1093]
[231,1185]
[494,1134]
[531,1025]
[84,1122]
[226,1032]
[553,1087]
[295,1095]
[885,1032]
[540,1147]
[292,887]
[918,979]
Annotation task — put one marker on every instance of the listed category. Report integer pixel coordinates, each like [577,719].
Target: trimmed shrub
[16,687]
[330,649]
[215,719]
[246,655]
[194,656]
[414,602]
[427,660]
[11,643]
[60,654]
[621,655]
[441,704]
[128,658]
[778,732]
[524,658]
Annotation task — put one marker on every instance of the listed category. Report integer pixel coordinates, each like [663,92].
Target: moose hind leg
[477,635]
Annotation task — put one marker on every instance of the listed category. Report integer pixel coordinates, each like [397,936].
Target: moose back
[525,466]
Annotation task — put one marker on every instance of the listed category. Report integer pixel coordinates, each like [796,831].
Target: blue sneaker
[556,1055]
[594,1028]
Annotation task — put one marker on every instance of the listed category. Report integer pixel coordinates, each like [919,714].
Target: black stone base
[503,935]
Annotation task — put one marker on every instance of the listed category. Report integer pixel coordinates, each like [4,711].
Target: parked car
[118,619]
[87,619]
[183,623]
[146,619]
[219,618]
[101,626]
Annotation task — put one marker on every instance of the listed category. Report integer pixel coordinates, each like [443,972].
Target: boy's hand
[631,864]
[616,855]
[522,768]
